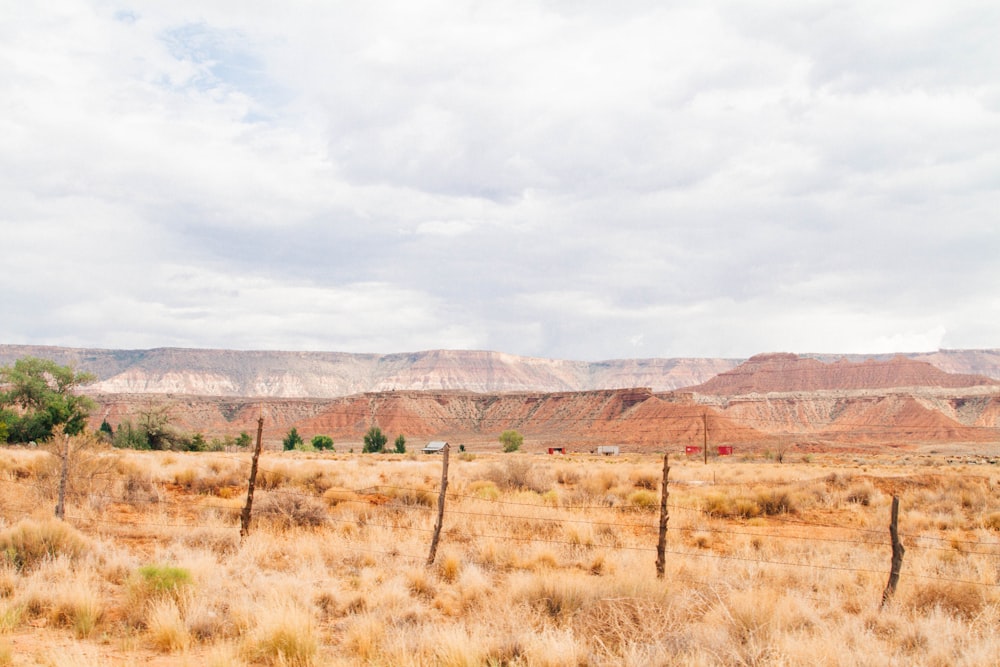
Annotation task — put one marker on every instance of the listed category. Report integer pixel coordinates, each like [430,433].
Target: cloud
[544,178]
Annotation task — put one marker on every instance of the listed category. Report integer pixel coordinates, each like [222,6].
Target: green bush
[511,440]
[164,579]
[374,441]
[292,440]
[321,442]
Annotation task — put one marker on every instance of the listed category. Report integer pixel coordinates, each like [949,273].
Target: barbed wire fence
[465,518]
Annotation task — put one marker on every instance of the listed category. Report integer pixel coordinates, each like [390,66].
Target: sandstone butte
[772,400]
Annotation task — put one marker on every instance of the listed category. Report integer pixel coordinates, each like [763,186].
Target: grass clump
[285,635]
[164,579]
[29,542]
[151,584]
[964,601]
[643,500]
[285,510]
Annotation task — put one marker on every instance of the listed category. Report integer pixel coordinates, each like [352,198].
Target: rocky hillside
[638,419]
[771,400]
[765,373]
[332,374]
[896,400]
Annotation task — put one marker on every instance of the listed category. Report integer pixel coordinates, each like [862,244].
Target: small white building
[608,450]
[434,447]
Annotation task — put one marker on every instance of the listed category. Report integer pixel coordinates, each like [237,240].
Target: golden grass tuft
[285,634]
[962,600]
[29,542]
[165,627]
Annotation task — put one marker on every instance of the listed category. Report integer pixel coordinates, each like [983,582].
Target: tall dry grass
[541,562]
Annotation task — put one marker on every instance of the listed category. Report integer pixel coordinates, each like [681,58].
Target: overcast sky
[573,180]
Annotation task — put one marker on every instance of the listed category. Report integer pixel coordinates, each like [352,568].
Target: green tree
[322,442]
[400,444]
[38,395]
[374,441]
[511,440]
[106,429]
[130,436]
[198,443]
[292,440]
[154,423]
[243,440]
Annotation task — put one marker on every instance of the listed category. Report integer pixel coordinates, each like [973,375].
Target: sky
[570,180]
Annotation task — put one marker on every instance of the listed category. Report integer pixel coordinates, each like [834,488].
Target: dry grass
[542,561]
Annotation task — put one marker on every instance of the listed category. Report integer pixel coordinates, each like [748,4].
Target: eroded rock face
[473,396]
[332,374]
[768,373]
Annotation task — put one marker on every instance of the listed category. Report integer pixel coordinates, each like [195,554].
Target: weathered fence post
[661,545]
[704,435]
[440,515]
[63,477]
[897,553]
[245,516]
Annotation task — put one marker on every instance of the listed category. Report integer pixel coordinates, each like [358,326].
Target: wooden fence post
[440,515]
[897,553]
[245,516]
[704,435]
[661,545]
[63,477]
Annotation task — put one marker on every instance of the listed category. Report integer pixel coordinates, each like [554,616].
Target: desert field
[542,560]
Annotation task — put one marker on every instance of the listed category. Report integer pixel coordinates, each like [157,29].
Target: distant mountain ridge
[769,373]
[277,374]
[332,374]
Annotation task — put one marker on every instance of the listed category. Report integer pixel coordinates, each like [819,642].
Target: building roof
[435,446]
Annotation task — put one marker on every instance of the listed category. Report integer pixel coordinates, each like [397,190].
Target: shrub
[645,480]
[374,441]
[567,476]
[515,474]
[643,500]
[860,494]
[29,542]
[774,502]
[154,581]
[716,505]
[322,442]
[511,441]
[292,440]
[484,489]
[407,496]
[961,600]
[400,444]
[288,510]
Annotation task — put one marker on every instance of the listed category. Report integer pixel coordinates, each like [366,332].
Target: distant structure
[434,447]
[608,450]
[725,450]
[557,450]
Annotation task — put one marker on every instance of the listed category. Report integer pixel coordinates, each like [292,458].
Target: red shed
[691,449]
[725,450]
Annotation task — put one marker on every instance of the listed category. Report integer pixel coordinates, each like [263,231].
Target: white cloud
[554,179]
